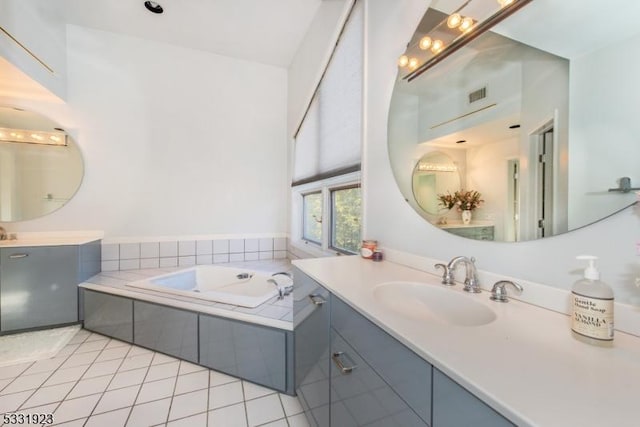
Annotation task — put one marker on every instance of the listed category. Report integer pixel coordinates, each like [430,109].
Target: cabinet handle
[336,356]
[17,256]
[317,299]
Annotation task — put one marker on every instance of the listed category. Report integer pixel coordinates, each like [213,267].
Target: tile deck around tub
[99,381]
[273,309]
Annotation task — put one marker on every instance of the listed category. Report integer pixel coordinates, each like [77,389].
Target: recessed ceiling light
[153,7]
[514,126]
[462,141]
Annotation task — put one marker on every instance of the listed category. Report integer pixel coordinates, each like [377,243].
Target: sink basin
[426,302]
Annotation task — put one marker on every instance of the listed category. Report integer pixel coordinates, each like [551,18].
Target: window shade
[329,140]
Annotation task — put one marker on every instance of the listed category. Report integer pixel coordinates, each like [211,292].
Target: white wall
[175,141]
[604,123]
[396,225]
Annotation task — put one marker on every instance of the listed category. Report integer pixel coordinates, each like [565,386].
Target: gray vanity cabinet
[388,376]
[255,353]
[453,406]
[166,329]
[108,314]
[38,286]
[312,348]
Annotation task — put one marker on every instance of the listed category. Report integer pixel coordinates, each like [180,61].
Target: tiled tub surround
[184,253]
[275,312]
[99,381]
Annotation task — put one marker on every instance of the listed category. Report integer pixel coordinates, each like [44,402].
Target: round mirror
[434,175]
[539,123]
[41,167]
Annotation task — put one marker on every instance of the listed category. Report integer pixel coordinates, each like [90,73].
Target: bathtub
[236,286]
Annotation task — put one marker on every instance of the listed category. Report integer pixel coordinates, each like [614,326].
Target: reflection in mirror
[434,174]
[41,167]
[539,121]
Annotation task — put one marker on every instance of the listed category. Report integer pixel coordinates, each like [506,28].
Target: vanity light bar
[33,137]
[435,167]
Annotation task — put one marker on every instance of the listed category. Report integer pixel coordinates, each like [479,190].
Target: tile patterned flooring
[99,381]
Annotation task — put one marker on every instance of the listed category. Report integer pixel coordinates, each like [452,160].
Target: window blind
[328,142]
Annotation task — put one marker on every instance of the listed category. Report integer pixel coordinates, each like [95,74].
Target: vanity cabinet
[476,233]
[367,377]
[38,284]
[311,306]
[453,406]
[166,329]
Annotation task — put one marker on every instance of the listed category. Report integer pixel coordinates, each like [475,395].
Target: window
[345,219]
[326,196]
[329,213]
[312,217]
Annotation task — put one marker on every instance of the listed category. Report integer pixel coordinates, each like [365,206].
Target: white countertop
[58,238]
[525,364]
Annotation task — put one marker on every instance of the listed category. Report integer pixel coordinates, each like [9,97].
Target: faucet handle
[499,291]
[447,276]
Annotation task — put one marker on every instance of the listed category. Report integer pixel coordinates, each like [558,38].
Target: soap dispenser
[592,307]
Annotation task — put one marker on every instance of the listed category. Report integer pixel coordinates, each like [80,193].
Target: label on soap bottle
[593,317]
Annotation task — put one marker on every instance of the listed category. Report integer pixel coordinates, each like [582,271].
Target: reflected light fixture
[436,167]
[33,137]
[466,28]
[425,43]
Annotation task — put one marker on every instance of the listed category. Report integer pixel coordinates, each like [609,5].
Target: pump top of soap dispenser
[590,272]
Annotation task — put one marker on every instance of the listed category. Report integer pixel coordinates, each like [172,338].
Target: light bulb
[466,24]
[403,61]
[454,20]
[437,46]
[413,63]
[425,43]
[504,3]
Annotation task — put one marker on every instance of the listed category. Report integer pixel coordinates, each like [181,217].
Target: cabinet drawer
[109,315]
[253,352]
[407,373]
[360,396]
[453,406]
[165,329]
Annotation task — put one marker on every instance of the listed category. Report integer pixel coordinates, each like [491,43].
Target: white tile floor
[98,381]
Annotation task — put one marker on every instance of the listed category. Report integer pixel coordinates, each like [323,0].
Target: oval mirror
[433,175]
[41,167]
[539,113]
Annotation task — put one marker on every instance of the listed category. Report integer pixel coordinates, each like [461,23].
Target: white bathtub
[227,285]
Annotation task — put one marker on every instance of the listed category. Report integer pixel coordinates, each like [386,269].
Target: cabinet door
[359,396]
[312,352]
[109,315]
[252,352]
[453,406]
[408,374]
[38,287]
[165,329]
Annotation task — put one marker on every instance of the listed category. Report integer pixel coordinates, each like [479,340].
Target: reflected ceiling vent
[477,95]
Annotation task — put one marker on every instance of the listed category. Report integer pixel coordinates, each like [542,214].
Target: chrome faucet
[447,275]
[3,234]
[471,282]
[282,290]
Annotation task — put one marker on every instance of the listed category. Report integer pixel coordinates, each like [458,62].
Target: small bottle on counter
[367,248]
[592,307]
[377,255]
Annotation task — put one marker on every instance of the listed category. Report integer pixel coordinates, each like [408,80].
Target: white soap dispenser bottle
[592,307]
